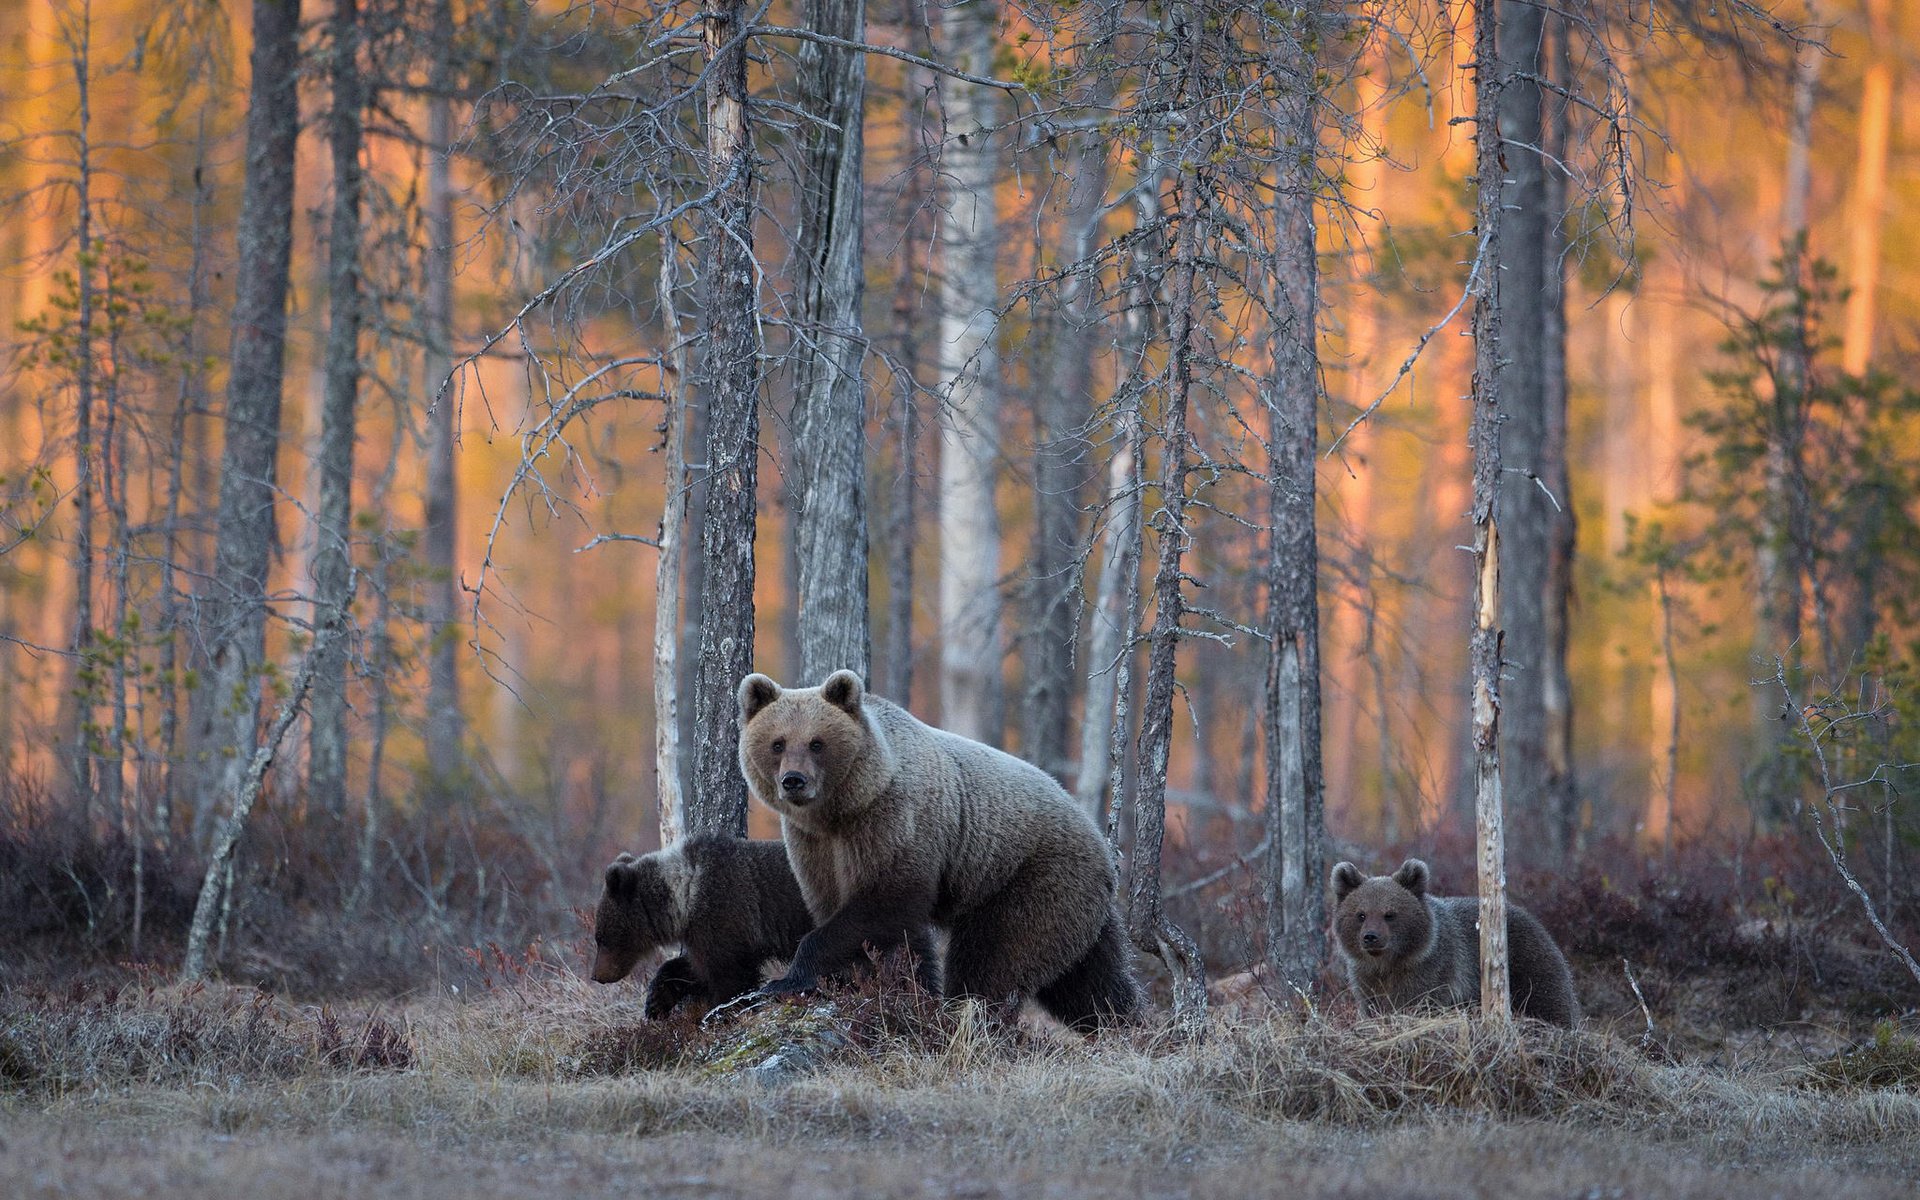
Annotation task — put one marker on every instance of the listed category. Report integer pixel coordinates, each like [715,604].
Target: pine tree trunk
[1560,799]
[970,646]
[730,365]
[227,701]
[829,440]
[445,762]
[327,762]
[1484,645]
[1296,835]
[1526,513]
[80,694]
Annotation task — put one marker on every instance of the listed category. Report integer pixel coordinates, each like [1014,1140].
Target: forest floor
[541,1083]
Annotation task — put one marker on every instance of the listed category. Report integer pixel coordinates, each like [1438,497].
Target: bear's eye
[816,745]
[779,746]
[1389,916]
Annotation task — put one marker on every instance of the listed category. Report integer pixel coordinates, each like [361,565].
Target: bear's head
[810,754]
[643,908]
[1383,918]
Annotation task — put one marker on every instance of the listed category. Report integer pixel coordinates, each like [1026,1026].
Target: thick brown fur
[729,904]
[892,825]
[1403,948]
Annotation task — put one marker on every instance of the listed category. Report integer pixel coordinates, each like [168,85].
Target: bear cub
[1403,948]
[729,904]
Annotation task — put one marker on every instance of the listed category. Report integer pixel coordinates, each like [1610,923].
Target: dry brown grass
[550,1082]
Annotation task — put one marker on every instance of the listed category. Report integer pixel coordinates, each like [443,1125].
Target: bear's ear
[756,692]
[843,690]
[1346,877]
[1412,876]
[623,877]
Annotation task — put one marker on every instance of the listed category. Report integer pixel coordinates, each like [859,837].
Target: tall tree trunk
[81,693]
[1296,832]
[1484,645]
[669,797]
[902,524]
[1526,513]
[1110,644]
[1061,412]
[1152,932]
[444,758]
[234,597]
[730,364]
[970,647]
[1560,799]
[1870,186]
[327,761]
[829,424]
[190,401]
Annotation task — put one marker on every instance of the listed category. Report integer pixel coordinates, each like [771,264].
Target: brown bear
[729,904]
[893,825]
[1404,949]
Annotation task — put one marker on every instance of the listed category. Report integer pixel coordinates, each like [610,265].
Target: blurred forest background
[500,284]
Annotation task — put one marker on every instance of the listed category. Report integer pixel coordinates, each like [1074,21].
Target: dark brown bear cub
[728,903]
[1403,948]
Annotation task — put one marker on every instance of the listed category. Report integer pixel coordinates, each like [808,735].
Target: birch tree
[970,646]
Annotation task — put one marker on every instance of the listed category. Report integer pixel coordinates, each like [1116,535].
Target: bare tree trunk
[1484,646]
[445,761]
[379,666]
[1526,512]
[327,761]
[1560,799]
[1296,830]
[190,402]
[730,363]
[1061,413]
[829,440]
[234,597]
[1152,932]
[1104,726]
[1870,187]
[216,887]
[80,693]
[670,799]
[970,647]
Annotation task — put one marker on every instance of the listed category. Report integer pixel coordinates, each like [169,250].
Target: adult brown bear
[892,825]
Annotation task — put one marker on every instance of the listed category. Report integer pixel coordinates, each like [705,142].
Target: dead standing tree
[1484,646]
[1296,824]
[829,418]
[730,370]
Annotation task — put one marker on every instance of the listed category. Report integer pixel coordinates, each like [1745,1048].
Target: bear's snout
[1372,942]
[796,786]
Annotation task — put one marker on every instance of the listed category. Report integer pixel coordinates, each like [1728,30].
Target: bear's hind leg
[1098,991]
[1025,936]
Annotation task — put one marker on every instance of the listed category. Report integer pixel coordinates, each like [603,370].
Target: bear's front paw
[787,985]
